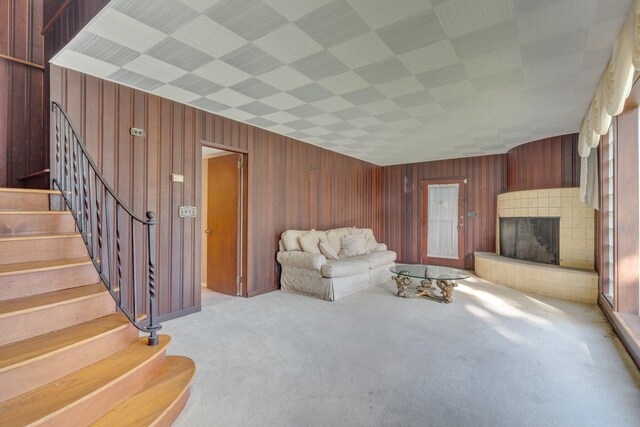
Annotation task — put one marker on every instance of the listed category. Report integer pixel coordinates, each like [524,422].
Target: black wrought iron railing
[118,241]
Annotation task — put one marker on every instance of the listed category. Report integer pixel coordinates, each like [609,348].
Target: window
[608,261]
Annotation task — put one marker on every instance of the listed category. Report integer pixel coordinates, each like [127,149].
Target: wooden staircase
[67,358]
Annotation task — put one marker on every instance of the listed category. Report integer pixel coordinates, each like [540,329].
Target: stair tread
[26,351]
[156,398]
[34,266]
[43,402]
[13,237]
[26,304]
[28,190]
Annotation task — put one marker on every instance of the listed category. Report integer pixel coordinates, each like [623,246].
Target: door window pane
[442,231]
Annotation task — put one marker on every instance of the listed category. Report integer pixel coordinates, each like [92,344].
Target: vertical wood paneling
[486,178]
[547,163]
[22,148]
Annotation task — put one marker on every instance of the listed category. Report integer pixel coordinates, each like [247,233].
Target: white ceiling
[384,81]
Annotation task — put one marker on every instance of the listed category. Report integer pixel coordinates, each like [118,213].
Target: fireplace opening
[531,238]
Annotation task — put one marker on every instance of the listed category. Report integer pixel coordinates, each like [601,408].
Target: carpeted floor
[494,357]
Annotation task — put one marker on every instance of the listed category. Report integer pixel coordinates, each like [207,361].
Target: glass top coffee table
[442,277]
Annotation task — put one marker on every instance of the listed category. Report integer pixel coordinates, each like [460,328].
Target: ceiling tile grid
[386,82]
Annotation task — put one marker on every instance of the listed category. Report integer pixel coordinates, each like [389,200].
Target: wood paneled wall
[290,184]
[547,163]
[22,149]
[486,178]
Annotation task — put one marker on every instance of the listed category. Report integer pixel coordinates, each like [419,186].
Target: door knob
[208,231]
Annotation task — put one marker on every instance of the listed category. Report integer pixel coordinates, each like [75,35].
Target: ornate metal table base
[426,288]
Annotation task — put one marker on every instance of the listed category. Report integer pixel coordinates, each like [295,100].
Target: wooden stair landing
[67,358]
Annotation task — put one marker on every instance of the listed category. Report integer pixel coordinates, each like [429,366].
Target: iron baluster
[133,271]
[153,326]
[107,223]
[118,258]
[98,223]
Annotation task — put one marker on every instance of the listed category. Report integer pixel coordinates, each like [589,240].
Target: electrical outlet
[136,132]
[176,177]
[187,212]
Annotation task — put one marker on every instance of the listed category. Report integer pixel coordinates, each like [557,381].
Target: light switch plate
[175,177]
[187,211]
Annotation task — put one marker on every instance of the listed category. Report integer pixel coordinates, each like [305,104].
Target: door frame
[244,177]
[462,219]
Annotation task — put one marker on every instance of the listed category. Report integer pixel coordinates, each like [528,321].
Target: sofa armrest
[299,259]
[381,247]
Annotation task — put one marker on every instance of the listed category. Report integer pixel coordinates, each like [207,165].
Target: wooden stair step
[23,318]
[40,247]
[38,277]
[87,394]
[25,199]
[159,402]
[27,364]
[36,222]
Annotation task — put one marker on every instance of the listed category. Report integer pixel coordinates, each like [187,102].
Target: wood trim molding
[56,16]
[630,338]
[223,147]
[22,61]
[262,291]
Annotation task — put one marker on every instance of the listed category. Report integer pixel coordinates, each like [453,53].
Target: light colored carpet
[494,357]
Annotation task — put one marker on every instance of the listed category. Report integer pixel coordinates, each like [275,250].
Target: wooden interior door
[223,234]
[426,254]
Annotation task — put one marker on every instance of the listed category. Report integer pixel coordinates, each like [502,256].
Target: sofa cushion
[377,258]
[371,240]
[353,245]
[344,268]
[310,240]
[327,250]
[334,236]
[290,239]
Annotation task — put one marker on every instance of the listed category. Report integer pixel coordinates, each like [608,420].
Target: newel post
[153,310]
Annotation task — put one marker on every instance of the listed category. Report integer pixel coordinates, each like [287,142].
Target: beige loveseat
[310,272]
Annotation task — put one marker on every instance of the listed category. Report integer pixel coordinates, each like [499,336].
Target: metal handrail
[109,229]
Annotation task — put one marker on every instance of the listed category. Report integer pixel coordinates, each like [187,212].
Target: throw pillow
[351,245]
[327,250]
[310,240]
[290,239]
[334,237]
[372,244]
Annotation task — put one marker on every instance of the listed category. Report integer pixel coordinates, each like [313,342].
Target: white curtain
[442,227]
[608,100]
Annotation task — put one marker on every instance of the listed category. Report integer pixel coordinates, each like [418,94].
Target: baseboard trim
[179,313]
[261,291]
[628,337]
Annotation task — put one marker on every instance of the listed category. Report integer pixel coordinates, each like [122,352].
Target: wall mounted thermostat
[187,211]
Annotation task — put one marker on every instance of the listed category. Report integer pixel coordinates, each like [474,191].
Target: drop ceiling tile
[379,13]
[285,78]
[453,91]
[383,71]
[131,79]
[425,109]
[555,19]
[288,44]
[280,117]
[179,54]
[344,82]
[554,47]
[491,39]
[413,99]
[379,107]
[154,68]
[196,84]
[100,48]
[352,133]
[340,126]
[300,124]
[350,113]
[393,116]
[254,88]
[304,111]
[320,65]
[360,51]
[282,101]
[221,73]
[310,93]
[230,98]
[236,114]
[252,60]
[377,128]
[173,92]
[442,76]
[364,96]
[459,17]
[602,36]
[199,5]
[208,105]
[495,62]
[78,61]
[412,33]
[248,18]
[294,9]
[427,58]
[333,23]
[317,131]
[261,122]
[281,129]
[324,119]
[200,32]
[404,124]
[331,104]
[400,87]
[257,108]
[124,30]
[612,9]
[163,15]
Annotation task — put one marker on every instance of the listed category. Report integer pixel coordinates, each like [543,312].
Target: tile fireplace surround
[574,279]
